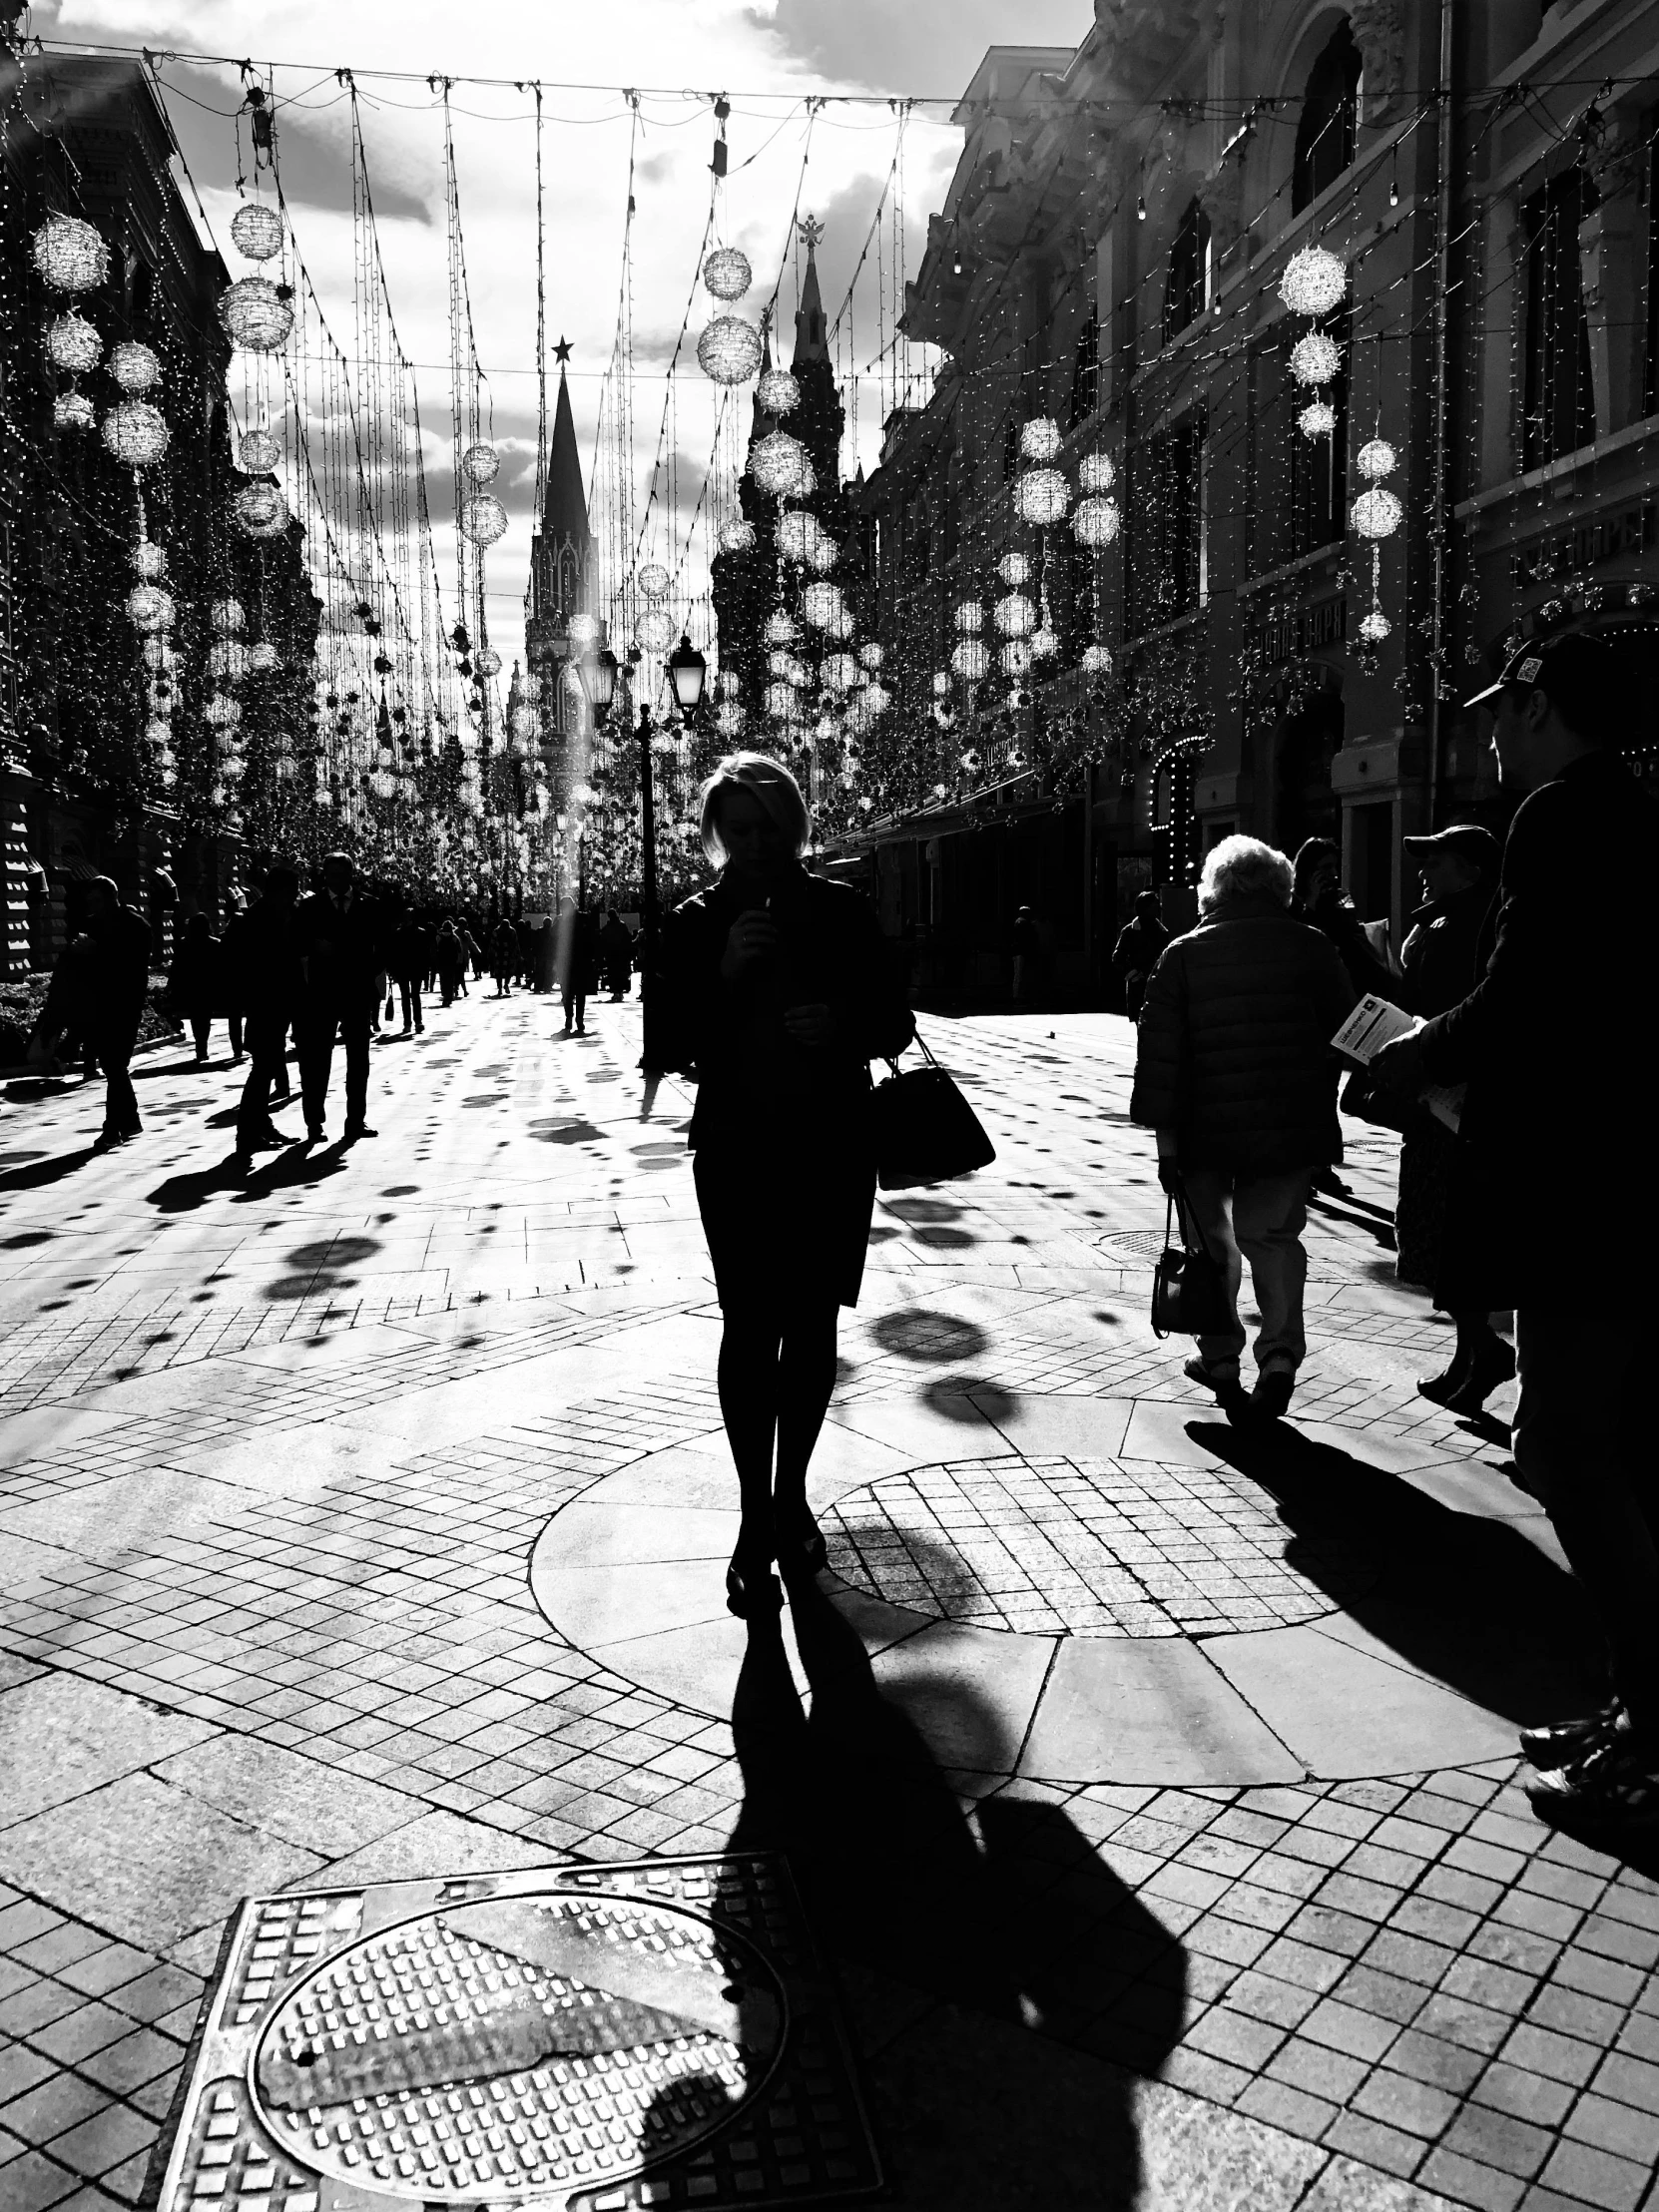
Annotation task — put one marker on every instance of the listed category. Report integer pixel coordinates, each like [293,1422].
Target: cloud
[919,49]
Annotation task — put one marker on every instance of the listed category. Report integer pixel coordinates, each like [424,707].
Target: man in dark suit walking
[338,932]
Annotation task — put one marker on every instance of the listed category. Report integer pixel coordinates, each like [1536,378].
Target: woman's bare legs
[749,1379]
[805,1380]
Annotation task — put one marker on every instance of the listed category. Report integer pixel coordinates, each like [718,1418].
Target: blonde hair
[1239,867]
[771,783]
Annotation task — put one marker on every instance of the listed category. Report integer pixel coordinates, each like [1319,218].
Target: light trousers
[1258,1218]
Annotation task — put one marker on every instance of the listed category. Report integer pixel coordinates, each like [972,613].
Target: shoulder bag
[925,1130]
[1188,1288]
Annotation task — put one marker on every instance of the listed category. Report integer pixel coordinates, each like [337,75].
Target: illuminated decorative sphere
[1041,495]
[780,662]
[653,581]
[1376,458]
[972,660]
[876,698]
[778,465]
[584,631]
[727,273]
[524,721]
[488,661]
[571,682]
[780,628]
[483,518]
[261,510]
[1014,657]
[969,618]
[1097,520]
[735,537]
[1044,644]
[1313,282]
[1013,569]
[70,254]
[1315,359]
[72,410]
[227,661]
[1015,616]
[1097,660]
[260,453]
[1377,513]
[1095,473]
[253,316]
[654,632]
[150,609]
[780,701]
[135,368]
[227,618]
[777,394]
[382,783]
[796,672]
[480,465]
[729,351]
[840,670]
[1374,628]
[1318,419]
[256,230]
[263,657]
[821,605]
[222,711]
[72,342]
[941,684]
[136,433]
[872,656]
[159,733]
[1039,440]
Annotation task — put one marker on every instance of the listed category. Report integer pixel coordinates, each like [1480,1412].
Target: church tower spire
[561,563]
[812,342]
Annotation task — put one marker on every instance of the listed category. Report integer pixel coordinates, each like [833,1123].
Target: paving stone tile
[1467,2181]
[1414,2106]
[1597,2176]
[1498,2139]
[1375,2143]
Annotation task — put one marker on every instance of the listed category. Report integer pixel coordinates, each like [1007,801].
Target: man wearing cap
[1555,1044]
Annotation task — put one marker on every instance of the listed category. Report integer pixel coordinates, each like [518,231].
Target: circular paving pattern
[1085,1547]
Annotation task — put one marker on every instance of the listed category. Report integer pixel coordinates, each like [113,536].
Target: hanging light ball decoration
[136,433]
[70,254]
[227,661]
[1374,628]
[583,631]
[1095,473]
[227,619]
[148,561]
[483,518]
[222,711]
[257,231]
[1014,615]
[1097,660]
[653,581]
[1315,359]
[736,536]
[778,392]
[1097,520]
[1013,569]
[480,465]
[1044,642]
[254,316]
[72,410]
[780,628]
[778,465]
[1318,419]
[821,605]
[872,656]
[727,273]
[135,368]
[654,632]
[260,511]
[72,342]
[488,661]
[840,670]
[941,684]
[524,721]
[729,351]
[1377,513]
[149,609]
[780,701]
[1016,657]
[969,618]
[1314,281]
[1039,440]
[876,698]
[264,658]
[1041,495]
[730,719]
[972,660]
[260,453]
[1376,459]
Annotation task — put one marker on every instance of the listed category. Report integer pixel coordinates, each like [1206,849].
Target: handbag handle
[917,1038]
[1180,1206]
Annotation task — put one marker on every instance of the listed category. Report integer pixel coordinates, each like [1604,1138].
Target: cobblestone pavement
[1155,1796]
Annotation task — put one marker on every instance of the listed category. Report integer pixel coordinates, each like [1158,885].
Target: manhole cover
[568,2038]
[1086,1547]
[1143,1248]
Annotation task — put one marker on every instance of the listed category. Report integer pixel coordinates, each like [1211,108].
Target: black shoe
[272,1139]
[316,1131]
[1441,1388]
[1613,1791]
[750,1594]
[803,1553]
[1563,1742]
[1271,1399]
[356,1129]
[1492,1365]
[107,1140]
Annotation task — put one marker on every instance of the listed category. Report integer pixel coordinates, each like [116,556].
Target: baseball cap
[1465,838]
[1572,671]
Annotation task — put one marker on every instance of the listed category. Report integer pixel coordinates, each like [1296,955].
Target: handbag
[924,1129]
[1189,1289]
[1366,1101]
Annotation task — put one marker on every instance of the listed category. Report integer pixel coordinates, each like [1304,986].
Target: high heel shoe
[1492,1365]
[749,1592]
[806,1551]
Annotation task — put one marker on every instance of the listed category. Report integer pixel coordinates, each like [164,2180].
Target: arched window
[567,585]
[1187,291]
[1330,117]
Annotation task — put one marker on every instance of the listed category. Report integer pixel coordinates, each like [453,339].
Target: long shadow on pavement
[952,1946]
[38,1173]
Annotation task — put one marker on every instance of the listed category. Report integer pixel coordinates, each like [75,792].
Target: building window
[1164,560]
[1085,374]
[1330,117]
[1559,404]
[1650,381]
[1186,294]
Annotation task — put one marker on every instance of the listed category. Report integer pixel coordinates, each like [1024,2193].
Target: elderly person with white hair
[1234,1071]
[783,989]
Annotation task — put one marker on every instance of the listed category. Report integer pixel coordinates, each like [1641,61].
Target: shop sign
[1304,630]
[1614,537]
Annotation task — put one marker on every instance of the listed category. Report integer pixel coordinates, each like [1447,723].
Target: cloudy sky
[766,57]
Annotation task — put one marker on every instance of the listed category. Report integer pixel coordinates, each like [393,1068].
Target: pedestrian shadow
[184,1194]
[38,1173]
[955,1937]
[1358,1213]
[1464,1598]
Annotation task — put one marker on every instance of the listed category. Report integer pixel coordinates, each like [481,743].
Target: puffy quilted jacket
[1233,1045]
